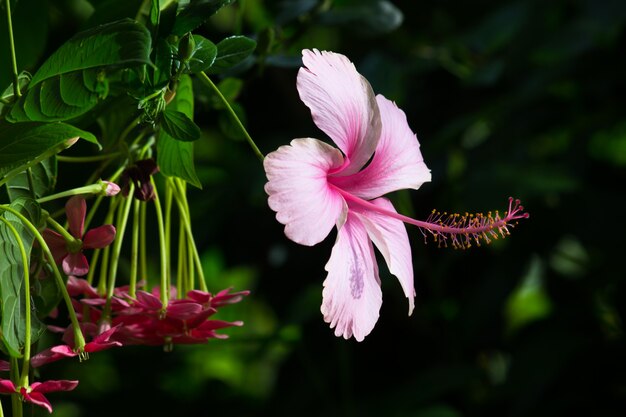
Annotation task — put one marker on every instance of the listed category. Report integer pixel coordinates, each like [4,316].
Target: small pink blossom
[70,254]
[99,342]
[111,188]
[35,392]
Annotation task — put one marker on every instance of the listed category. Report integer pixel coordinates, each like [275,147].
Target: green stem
[85,159]
[143,263]
[79,339]
[134,250]
[182,257]
[207,81]
[31,182]
[61,230]
[16,83]
[87,189]
[183,210]
[168,228]
[162,247]
[27,332]
[102,280]
[95,257]
[16,399]
[96,204]
[122,220]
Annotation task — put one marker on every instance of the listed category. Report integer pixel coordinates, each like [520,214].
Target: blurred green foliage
[515,97]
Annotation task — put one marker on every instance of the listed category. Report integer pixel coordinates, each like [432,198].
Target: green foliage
[12,276]
[44,178]
[203,54]
[231,51]
[118,44]
[175,157]
[70,82]
[195,13]
[29,141]
[179,126]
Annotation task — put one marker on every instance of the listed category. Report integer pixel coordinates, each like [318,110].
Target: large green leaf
[122,44]
[179,126]
[23,143]
[203,54]
[44,176]
[231,51]
[12,277]
[174,157]
[196,13]
[70,82]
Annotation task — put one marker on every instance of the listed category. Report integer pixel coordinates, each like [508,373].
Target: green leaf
[21,143]
[179,126]
[196,13]
[70,82]
[203,55]
[12,276]
[123,43]
[154,13]
[174,157]
[366,16]
[163,63]
[231,51]
[44,175]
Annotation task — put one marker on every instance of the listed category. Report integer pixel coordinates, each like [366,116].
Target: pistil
[462,230]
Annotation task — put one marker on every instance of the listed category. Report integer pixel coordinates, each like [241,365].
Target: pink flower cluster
[132,321]
[143,320]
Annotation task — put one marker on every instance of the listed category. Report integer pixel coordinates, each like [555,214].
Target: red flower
[70,254]
[55,353]
[35,393]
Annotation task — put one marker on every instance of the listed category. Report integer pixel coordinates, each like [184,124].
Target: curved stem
[87,189]
[87,159]
[122,220]
[23,381]
[165,291]
[79,339]
[183,210]
[61,230]
[217,91]
[134,250]
[16,82]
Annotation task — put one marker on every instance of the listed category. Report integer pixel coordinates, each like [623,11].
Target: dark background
[522,98]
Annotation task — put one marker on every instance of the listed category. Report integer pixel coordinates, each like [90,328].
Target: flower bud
[110,188]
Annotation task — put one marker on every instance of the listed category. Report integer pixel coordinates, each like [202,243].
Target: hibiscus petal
[75,264]
[75,210]
[298,190]
[390,237]
[99,237]
[397,164]
[342,104]
[352,295]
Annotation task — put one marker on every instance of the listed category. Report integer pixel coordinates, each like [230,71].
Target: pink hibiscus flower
[70,254]
[314,187]
[35,392]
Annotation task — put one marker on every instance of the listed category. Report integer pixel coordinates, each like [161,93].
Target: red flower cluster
[143,320]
